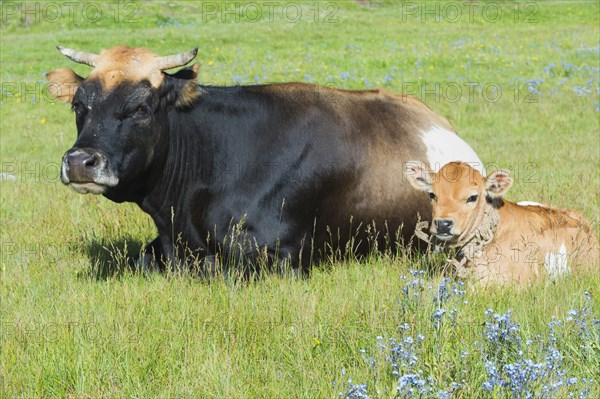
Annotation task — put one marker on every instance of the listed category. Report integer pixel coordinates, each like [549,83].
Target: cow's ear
[418,175]
[498,183]
[63,84]
[181,87]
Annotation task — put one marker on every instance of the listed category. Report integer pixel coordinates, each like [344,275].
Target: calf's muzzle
[443,226]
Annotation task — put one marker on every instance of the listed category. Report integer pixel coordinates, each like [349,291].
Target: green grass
[66,333]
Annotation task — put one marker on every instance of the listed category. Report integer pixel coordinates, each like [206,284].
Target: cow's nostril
[83,165]
[92,161]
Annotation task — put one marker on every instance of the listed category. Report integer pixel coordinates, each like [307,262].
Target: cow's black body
[285,165]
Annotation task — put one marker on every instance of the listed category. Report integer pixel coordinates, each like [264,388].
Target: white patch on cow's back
[556,263]
[444,146]
[529,203]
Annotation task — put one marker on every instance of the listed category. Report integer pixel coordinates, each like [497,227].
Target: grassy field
[519,81]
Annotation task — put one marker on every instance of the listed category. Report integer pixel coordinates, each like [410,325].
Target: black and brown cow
[289,170]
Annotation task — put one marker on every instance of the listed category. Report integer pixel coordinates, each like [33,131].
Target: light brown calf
[497,240]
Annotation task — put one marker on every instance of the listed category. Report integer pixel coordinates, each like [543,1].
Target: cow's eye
[472,198]
[77,107]
[140,112]
[432,196]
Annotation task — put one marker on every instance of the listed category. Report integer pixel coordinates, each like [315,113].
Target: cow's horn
[80,57]
[174,61]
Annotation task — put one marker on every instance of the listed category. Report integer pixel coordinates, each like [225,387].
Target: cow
[292,172]
[493,240]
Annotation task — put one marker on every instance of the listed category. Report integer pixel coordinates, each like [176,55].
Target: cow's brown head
[121,113]
[458,196]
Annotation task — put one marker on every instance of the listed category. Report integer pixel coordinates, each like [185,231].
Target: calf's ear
[498,183]
[181,87]
[63,84]
[418,175]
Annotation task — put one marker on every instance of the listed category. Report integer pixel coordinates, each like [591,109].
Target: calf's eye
[432,196]
[472,198]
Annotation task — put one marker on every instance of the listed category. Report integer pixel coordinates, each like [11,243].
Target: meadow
[520,81]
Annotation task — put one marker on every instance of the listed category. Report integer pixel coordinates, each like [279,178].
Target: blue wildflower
[550,69]
[532,86]
[587,295]
[581,91]
[501,334]
[356,391]
[443,293]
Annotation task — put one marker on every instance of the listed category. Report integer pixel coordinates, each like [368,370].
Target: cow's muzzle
[86,170]
[443,229]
